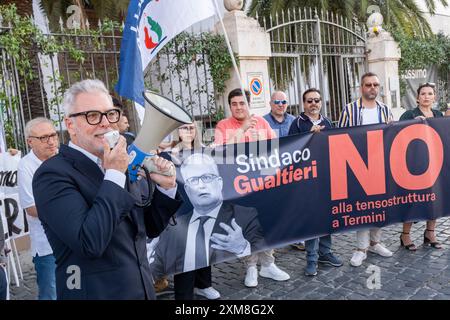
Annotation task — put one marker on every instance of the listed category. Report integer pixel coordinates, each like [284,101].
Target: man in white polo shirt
[43,141]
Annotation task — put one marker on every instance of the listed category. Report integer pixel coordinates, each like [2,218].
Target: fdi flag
[150,24]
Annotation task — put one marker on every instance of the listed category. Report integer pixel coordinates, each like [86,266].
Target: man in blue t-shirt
[280,121]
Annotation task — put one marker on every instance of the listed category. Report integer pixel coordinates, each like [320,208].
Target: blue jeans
[45,275]
[3,284]
[318,246]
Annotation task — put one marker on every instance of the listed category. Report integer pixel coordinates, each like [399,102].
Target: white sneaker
[357,258]
[381,250]
[251,278]
[273,272]
[209,293]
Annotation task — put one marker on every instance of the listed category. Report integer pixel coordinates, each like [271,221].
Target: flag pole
[230,50]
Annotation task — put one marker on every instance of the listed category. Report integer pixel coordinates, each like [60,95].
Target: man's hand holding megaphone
[163,172]
[115,155]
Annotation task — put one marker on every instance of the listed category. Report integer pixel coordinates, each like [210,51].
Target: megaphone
[162,116]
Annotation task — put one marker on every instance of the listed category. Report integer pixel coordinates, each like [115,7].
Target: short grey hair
[84,86]
[30,124]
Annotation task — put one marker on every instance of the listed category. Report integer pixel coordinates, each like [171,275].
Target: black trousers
[184,283]
[3,284]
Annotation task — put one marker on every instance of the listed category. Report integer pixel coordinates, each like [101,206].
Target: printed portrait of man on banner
[213,230]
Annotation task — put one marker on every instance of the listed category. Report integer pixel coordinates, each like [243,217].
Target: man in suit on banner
[96,230]
[3,260]
[213,231]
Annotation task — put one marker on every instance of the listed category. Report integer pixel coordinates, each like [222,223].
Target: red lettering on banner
[342,152]
[372,177]
[288,175]
[399,167]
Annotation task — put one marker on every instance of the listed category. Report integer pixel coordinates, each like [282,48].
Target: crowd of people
[88,236]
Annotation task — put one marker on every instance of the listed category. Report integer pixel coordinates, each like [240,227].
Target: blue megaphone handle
[137,156]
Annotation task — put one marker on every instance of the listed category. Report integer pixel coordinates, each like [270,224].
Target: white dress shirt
[25,172]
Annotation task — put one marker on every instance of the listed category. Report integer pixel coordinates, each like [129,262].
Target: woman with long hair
[426,96]
[185,139]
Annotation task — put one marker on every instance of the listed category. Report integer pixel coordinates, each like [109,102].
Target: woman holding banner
[426,96]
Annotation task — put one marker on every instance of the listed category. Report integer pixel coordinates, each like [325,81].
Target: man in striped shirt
[364,111]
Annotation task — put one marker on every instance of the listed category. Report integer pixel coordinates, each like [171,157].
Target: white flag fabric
[163,20]
[150,24]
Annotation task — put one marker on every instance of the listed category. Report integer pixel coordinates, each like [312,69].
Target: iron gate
[189,83]
[316,49]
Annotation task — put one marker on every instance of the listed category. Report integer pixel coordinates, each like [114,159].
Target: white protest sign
[10,209]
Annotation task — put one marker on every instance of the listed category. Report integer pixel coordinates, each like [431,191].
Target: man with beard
[42,139]
[278,118]
[364,111]
[317,249]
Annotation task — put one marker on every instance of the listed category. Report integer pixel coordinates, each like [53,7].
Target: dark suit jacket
[170,251]
[93,224]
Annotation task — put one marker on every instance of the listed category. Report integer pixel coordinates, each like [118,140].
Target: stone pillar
[251,44]
[384,54]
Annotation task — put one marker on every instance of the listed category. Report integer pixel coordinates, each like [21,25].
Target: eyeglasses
[187,128]
[206,178]
[95,117]
[370,85]
[46,138]
[279,101]
[316,100]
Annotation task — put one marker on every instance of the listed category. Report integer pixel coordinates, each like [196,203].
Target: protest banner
[271,193]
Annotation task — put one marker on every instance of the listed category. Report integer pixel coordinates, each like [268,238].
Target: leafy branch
[418,53]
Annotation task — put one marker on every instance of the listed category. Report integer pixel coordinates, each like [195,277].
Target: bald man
[278,118]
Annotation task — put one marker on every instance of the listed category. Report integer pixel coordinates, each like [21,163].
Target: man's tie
[100,164]
[200,250]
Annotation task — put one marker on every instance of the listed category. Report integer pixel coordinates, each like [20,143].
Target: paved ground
[424,274]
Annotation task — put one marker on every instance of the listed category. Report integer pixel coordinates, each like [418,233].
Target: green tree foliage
[400,15]
[104,9]
[417,53]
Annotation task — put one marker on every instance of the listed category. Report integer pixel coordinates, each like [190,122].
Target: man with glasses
[364,111]
[213,231]
[43,141]
[90,214]
[311,120]
[278,119]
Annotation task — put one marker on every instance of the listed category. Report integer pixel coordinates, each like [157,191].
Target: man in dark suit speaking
[96,230]
[213,231]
